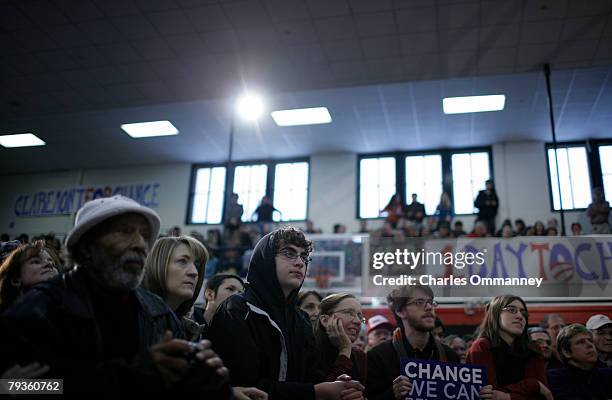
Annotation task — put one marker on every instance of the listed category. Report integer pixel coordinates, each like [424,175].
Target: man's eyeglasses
[421,303]
[351,313]
[291,254]
[516,310]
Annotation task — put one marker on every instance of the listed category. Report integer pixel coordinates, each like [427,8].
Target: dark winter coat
[264,339]
[54,324]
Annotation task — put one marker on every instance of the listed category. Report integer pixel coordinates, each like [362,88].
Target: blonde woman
[174,270]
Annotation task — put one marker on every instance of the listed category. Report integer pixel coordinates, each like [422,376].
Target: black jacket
[264,339]
[484,202]
[572,383]
[384,365]
[54,324]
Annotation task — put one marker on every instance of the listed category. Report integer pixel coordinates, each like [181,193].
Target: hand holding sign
[401,387]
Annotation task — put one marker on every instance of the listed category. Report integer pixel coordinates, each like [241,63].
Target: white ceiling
[72,71]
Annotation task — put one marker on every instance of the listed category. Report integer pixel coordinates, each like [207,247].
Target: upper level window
[574,178]
[208,195]
[376,185]
[470,171]
[605,156]
[250,186]
[424,177]
[290,191]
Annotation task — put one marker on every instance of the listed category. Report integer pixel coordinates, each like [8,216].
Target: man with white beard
[96,329]
[414,310]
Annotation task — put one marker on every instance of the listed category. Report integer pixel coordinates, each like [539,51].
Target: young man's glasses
[421,303]
[351,313]
[292,255]
[516,310]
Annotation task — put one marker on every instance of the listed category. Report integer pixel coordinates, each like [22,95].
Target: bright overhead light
[302,116]
[21,140]
[249,106]
[150,129]
[469,104]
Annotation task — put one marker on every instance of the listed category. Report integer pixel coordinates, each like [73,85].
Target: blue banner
[68,201]
[433,380]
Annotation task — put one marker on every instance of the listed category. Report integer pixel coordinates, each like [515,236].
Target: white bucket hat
[99,210]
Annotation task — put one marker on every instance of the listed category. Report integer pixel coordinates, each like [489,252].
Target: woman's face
[181,275]
[312,306]
[37,269]
[513,323]
[348,311]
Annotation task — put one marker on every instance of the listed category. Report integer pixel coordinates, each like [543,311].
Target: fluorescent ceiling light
[150,129]
[469,104]
[21,140]
[249,106]
[302,116]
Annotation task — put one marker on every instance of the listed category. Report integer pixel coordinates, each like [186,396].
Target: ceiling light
[469,104]
[150,129]
[21,140]
[302,116]
[249,106]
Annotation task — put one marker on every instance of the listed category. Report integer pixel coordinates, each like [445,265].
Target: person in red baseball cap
[379,330]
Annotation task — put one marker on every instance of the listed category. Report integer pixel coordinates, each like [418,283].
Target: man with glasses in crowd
[601,327]
[414,311]
[266,341]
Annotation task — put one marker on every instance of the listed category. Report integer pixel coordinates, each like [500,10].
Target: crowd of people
[122,319]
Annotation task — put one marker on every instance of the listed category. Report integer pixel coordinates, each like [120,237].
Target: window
[377,184]
[291,191]
[605,156]
[250,186]
[209,188]
[424,177]
[573,175]
[285,182]
[470,171]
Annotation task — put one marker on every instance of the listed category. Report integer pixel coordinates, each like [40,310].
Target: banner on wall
[527,266]
[68,201]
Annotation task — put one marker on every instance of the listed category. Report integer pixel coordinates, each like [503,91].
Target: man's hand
[339,390]
[30,371]
[169,357]
[401,387]
[250,393]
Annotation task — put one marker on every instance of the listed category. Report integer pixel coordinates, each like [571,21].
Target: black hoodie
[264,339]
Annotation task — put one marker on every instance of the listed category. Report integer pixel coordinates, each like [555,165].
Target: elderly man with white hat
[96,329]
[601,327]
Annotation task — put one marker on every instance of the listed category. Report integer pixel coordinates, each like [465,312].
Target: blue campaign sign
[433,380]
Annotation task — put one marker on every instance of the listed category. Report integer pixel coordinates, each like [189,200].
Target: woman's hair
[304,294]
[490,327]
[10,269]
[328,351]
[156,267]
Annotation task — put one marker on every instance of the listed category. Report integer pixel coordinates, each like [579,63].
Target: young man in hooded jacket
[264,338]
